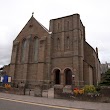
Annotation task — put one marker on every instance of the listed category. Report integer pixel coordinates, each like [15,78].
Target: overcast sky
[95,15]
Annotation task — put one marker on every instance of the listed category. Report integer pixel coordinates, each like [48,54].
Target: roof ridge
[43,26]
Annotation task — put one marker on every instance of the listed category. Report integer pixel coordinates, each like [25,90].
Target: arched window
[18,52]
[58,44]
[68,42]
[23,50]
[31,50]
[35,49]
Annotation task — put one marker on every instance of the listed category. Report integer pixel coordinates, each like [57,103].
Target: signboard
[5,79]
[1,79]
[9,79]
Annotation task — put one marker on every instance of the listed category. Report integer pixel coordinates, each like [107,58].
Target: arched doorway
[68,77]
[57,76]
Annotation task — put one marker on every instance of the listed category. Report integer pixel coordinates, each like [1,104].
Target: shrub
[89,89]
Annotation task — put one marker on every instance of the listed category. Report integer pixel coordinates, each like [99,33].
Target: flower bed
[88,93]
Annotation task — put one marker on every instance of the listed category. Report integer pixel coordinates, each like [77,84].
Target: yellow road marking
[45,105]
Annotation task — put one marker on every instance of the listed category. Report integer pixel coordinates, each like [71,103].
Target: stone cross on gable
[32,13]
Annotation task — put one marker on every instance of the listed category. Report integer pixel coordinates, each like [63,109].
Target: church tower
[67,49]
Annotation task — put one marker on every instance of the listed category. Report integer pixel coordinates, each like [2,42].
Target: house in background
[104,67]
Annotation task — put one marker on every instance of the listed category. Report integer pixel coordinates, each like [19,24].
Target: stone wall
[102,96]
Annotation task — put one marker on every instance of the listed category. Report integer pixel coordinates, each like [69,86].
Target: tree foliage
[106,79]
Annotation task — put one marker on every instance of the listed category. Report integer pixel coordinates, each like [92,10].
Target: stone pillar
[52,77]
[76,72]
[76,20]
[14,52]
[78,45]
[62,78]
[81,58]
[25,72]
[13,60]
[48,56]
[81,79]
[76,57]
[62,37]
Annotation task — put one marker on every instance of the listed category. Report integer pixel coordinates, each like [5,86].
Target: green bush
[89,89]
[105,79]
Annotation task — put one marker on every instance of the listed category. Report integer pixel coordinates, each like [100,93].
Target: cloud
[5,55]
[94,15]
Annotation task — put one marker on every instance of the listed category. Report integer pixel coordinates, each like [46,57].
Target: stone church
[59,55]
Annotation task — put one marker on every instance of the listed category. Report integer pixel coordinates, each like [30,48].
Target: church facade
[60,55]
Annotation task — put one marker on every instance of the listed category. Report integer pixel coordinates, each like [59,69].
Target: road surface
[9,104]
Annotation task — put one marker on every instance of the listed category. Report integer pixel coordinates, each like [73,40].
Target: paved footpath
[58,102]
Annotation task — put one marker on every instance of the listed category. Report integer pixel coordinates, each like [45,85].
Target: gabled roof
[43,26]
[32,21]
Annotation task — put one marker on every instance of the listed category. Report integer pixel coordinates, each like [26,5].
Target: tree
[106,79]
